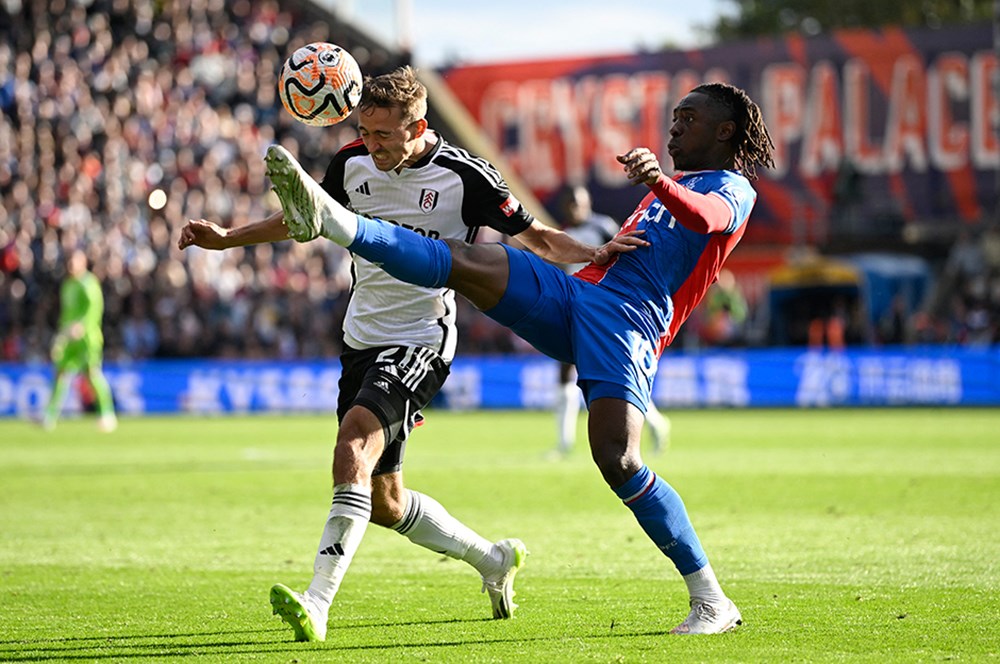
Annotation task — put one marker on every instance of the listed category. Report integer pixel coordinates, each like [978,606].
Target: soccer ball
[320,84]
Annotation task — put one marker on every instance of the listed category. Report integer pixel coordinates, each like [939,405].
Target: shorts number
[642,353]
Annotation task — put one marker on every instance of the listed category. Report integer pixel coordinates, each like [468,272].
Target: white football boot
[706,618]
[501,588]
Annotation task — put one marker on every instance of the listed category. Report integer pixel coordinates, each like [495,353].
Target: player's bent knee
[386,514]
[479,272]
[389,499]
[476,259]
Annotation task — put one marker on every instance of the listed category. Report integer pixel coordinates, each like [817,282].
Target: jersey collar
[427,158]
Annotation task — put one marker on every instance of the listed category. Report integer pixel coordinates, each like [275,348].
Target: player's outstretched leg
[307,209]
[310,212]
[306,620]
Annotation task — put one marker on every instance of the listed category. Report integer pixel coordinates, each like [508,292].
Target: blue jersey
[670,277]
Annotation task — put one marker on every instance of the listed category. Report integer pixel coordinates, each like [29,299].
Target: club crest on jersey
[510,206]
[428,200]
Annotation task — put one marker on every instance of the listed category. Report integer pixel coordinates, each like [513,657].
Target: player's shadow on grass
[120,647]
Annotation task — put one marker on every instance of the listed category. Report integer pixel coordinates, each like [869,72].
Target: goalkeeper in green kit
[79,343]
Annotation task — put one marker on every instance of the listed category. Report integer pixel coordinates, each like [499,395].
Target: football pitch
[842,535]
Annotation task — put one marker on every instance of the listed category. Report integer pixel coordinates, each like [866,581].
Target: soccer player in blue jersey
[613,318]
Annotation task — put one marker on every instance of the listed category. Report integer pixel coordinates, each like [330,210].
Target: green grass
[843,535]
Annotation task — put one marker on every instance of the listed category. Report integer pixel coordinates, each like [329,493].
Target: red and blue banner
[873,130]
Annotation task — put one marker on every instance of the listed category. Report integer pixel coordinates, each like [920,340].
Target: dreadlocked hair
[752,140]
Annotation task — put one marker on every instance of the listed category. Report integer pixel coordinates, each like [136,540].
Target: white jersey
[448,193]
[596,230]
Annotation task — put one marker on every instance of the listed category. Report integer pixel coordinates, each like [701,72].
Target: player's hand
[204,234]
[620,244]
[641,166]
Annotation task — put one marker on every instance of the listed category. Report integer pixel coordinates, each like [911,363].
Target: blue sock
[404,254]
[661,513]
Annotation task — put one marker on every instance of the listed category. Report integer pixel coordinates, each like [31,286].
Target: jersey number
[643,355]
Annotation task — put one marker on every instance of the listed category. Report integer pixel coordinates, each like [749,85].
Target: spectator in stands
[726,312]
[103,103]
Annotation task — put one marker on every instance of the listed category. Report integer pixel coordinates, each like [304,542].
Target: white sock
[427,523]
[337,223]
[703,585]
[567,413]
[345,527]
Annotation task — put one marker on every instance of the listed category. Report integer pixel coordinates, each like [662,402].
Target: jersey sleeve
[487,200]
[716,202]
[740,197]
[333,180]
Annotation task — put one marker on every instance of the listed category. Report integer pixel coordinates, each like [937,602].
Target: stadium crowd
[121,119]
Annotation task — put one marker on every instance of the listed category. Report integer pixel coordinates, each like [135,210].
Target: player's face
[578,206]
[392,141]
[77,264]
[696,135]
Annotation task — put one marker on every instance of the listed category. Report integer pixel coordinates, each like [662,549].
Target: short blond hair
[397,89]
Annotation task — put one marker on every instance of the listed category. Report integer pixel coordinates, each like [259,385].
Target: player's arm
[702,213]
[558,247]
[209,235]
[491,204]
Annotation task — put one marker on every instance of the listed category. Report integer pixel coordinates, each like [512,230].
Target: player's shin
[428,524]
[102,390]
[406,255]
[342,535]
[660,511]
[58,397]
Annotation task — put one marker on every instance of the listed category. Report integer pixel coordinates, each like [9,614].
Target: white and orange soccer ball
[320,84]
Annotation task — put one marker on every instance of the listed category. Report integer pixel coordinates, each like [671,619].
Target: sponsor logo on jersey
[428,200]
[363,189]
[510,206]
[382,385]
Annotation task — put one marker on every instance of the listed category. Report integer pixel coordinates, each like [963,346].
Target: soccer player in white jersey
[399,339]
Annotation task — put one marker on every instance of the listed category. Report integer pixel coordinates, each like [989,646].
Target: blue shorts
[611,340]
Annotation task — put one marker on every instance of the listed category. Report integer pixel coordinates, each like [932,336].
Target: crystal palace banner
[893,125]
